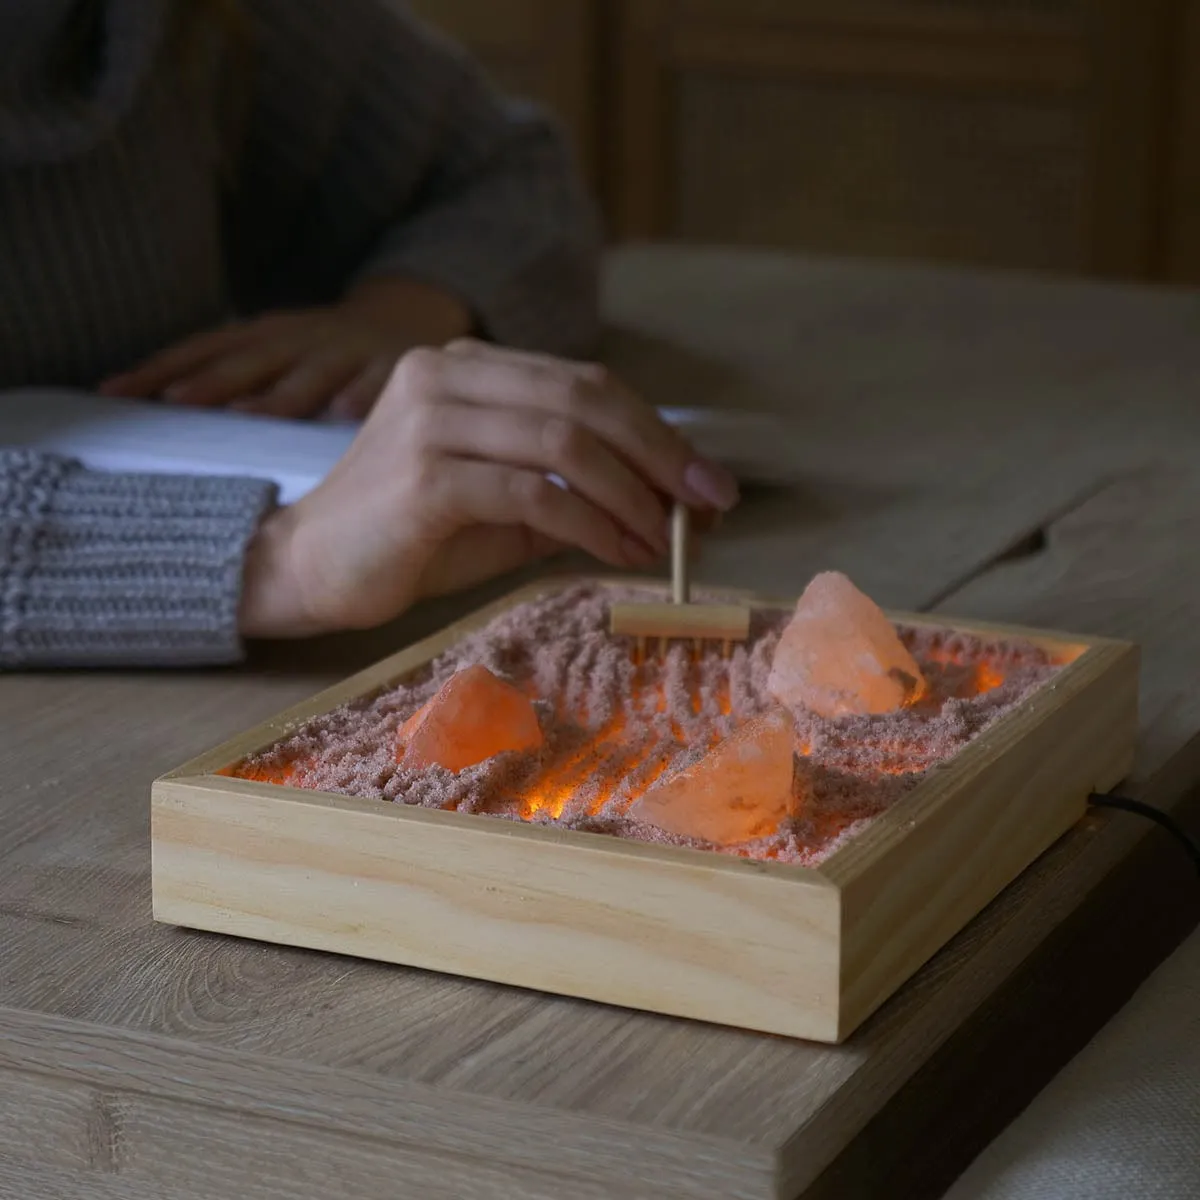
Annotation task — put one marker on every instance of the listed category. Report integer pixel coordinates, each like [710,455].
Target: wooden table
[992,447]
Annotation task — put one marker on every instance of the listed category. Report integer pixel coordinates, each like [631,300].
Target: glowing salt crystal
[840,654]
[473,717]
[741,789]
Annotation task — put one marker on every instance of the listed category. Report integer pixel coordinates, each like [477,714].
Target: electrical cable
[1124,804]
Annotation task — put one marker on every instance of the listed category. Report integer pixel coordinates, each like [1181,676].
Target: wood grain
[946,417]
[1046,135]
[960,133]
[912,881]
[1016,135]
[569,914]
[1180,245]
[965,49]
[1131,104]
[106,1114]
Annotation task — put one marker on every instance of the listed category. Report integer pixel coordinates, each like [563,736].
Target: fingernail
[712,484]
[175,394]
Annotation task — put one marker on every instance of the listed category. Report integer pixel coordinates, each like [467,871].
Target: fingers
[250,372]
[485,493]
[583,393]
[282,364]
[306,387]
[523,438]
[157,373]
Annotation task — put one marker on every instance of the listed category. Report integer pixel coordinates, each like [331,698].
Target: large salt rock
[474,716]
[840,655]
[741,789]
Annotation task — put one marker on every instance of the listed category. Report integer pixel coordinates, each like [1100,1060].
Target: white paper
[127,435]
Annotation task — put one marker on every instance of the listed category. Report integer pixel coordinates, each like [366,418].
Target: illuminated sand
[613,728]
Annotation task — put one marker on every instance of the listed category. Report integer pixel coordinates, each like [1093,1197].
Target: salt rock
[741,789]
[840,655]
[474,716]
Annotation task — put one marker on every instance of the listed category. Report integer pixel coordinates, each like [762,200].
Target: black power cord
[1123,804]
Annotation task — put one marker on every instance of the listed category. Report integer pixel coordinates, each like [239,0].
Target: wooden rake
[680,619]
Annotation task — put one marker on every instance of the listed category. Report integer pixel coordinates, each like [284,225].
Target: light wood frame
[766,946]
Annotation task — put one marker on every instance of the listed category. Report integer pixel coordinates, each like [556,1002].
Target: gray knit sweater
[156,179]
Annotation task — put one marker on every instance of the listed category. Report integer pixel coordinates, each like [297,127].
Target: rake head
[680,619]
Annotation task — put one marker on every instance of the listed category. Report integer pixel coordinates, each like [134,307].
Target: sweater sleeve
[103,569]
[371,145]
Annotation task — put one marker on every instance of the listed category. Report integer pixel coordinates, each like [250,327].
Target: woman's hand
[446,485]
[298,363]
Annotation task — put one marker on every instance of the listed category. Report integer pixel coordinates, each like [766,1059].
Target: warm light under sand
[614,727]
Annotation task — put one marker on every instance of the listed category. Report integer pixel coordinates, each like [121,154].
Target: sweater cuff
[103,569]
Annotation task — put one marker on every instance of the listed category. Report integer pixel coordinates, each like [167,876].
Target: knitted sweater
[156,179]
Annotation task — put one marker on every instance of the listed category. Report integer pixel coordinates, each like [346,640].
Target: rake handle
[681,586]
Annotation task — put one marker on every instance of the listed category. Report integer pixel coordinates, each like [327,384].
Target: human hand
[297,363]
[446,485]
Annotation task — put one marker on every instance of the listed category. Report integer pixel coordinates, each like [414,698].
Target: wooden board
[766,946]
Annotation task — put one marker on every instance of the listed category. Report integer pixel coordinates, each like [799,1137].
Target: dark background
[1059,135]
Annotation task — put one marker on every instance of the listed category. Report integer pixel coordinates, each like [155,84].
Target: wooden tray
[783,949]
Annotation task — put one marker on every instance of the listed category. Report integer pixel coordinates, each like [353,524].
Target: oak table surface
[995,447]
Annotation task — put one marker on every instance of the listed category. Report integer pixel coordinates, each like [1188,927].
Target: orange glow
[600,762]
[620,757]
[939,655]
[283,773]
[566,775]
[987,678]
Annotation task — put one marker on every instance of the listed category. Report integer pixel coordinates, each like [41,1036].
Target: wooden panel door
[1017,133]
[1180,247]
[546,50]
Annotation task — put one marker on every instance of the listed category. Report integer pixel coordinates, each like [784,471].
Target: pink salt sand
[611,729]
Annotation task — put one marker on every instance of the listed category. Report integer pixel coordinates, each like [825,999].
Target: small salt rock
[473,717]
[740,790]
[840,655]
